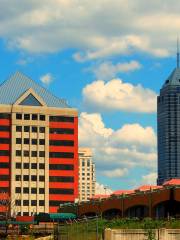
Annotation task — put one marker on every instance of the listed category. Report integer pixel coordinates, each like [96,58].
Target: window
[4,116]
[18,202]
[42,129]
[61,143]
[33,165]
[18,190]
[18,116]
[26,203]
[26,178]
[42,118]
[26,116]
[41,166]
[62,130]
[4,165]
[4,140]
[25,213]
[34,129]
[41,154]
[61,119]
[4,128]
[34,117]
[18,165]
[33,178]
[61,191]
[4,177]
[41,191]
[18,153]
[55,203]
[41,141]
[34,141]
[18,140]
[18,177]
[26,140]
[41,178]
[26,153]
[41,203]
[33,190]
[25,190]
[26,165]
[61,179]
[4,153]
[33,202]
[4,190]
[26,128]
[34,154]
[18,128]
[61,155]
[61,167]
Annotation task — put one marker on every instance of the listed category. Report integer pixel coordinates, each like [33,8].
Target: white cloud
[108,70]
[150,178]
[47,78]
[118,95]
[101,189]
[115,173]
[115,151]
[97,30]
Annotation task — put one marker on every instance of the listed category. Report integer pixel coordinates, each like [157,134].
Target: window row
[5,128]
[26,153]
[61,130]
[26,202]
[27,165]
[32,190]
[26,116]
[32,177]
[61,191]
[5,140]
[61,155]
[4,116]
[32,128]
[4,153]
[61,119]
[61,179]
[61,143]
[28,141]
[61,167]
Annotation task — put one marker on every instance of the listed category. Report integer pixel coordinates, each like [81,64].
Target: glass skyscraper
[168,119]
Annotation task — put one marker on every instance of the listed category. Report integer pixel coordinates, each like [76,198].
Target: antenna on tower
[178,52]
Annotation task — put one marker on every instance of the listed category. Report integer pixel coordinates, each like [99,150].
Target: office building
[168,119]
[38,148]
[87,178]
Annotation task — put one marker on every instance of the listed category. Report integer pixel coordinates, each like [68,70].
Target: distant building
[38,148]
[168,119]
[87,179]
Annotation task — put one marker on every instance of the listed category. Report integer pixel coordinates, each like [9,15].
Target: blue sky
[107,59]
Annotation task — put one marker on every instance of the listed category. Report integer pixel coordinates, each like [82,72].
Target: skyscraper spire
[178,52]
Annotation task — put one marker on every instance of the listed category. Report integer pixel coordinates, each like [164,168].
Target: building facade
[38,148]
[87,178]
[168,121]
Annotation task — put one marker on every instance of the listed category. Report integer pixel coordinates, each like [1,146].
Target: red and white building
[38,148]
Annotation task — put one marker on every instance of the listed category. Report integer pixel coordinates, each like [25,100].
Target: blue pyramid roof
[13,88]
[174,78]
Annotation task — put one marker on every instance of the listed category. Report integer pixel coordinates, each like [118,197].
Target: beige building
[87,177]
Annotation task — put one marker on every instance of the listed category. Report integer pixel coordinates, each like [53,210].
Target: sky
[108,59]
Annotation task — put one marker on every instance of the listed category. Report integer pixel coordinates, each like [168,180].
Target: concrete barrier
[141,234]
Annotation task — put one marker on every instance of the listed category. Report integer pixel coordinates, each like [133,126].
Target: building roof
[13,88]
[172,182]
[174,78]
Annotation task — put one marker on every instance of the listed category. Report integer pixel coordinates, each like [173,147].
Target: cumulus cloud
[150,178]
[108,70]
[47,78]
[102,189]
[96,30]
[116,152]
[118,95]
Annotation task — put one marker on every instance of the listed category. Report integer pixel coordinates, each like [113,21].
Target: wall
[139,234]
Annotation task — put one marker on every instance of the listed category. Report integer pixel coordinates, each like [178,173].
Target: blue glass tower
[168,121]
